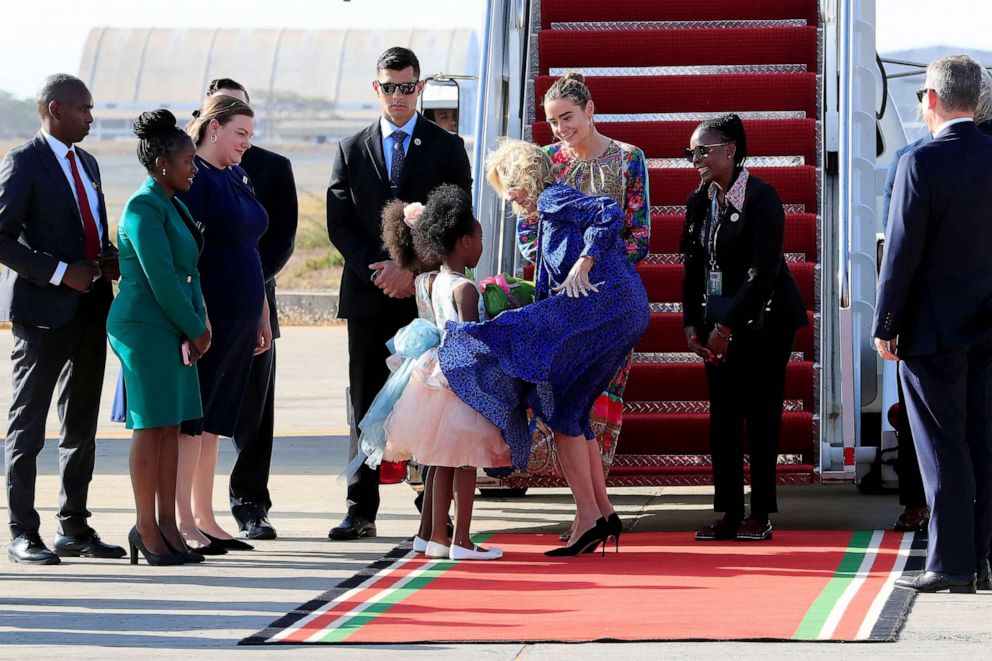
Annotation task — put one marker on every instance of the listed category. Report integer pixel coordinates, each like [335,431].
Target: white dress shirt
[61,151]
[388,142]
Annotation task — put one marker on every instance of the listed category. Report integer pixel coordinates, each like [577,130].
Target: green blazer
[159,244]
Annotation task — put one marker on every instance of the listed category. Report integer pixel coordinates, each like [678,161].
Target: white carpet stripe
[837,612]
[871,618]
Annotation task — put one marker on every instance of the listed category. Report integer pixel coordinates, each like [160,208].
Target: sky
[33,45]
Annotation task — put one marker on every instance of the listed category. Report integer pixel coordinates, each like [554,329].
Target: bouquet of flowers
[504,292]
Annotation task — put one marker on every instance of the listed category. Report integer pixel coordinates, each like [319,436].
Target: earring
[213,138]
[163,172]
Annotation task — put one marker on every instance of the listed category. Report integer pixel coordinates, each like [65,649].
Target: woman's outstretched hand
[577,283]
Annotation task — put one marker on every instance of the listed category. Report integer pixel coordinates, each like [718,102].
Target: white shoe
[419,544]
[474,553]
[435,550]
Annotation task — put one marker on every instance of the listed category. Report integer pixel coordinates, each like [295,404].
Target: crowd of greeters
[433,379]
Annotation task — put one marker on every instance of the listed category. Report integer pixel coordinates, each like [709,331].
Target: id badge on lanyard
[714,276]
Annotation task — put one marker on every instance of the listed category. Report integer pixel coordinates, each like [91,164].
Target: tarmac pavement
[89,609]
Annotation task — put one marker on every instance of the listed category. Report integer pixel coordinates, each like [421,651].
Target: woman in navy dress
[559,354]
[222,200]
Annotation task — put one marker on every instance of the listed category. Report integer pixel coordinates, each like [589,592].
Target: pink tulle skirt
[431,426]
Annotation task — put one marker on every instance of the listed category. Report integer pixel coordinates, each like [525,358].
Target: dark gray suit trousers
[71,358]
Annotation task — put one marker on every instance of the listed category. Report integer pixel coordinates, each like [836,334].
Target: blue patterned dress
[557,355]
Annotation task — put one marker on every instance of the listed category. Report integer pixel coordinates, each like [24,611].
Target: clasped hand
[391,279]
[577,282]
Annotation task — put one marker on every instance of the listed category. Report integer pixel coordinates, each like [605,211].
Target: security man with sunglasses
[400,156]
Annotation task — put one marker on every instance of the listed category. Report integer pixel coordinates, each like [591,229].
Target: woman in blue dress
[559,354]
[222,199]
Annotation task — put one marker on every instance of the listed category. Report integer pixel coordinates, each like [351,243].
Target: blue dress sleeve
[602,220]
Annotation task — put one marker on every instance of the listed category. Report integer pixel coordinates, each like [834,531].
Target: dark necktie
[396,165]
[90,233]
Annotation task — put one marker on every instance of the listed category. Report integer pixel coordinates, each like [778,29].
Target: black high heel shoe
[587,541]
[614,526]
[154,559]
[228,544]
[188,557]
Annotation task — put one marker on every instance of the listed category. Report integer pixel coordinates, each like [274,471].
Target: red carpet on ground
[802,585]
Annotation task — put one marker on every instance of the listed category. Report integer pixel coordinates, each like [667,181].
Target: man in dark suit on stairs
[934,311]
[56,292]
[400,156]
[271,177]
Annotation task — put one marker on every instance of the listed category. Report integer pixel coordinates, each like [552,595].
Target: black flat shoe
[353,527]
[228,544]
[720,529]
[28,549]
[586,543]
[86,546]
[154,559]
[933,582]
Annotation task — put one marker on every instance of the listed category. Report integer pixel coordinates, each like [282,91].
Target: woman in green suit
[158,327]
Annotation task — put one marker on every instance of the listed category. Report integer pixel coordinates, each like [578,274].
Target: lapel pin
[416,141]
[96,186]
[245,179]
[734,217]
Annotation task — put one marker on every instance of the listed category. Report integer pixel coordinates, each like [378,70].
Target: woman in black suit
[741,309]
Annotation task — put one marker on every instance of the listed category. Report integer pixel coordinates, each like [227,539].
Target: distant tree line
[20,116]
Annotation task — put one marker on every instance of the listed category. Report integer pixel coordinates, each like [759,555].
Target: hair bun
[576,76]
[153,122]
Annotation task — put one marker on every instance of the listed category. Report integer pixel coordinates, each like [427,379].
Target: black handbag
[716,308]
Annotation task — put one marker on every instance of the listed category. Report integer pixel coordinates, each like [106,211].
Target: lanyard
[712,232]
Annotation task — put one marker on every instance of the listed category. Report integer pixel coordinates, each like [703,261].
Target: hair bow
[412,214]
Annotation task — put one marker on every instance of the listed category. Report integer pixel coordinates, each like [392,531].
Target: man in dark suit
[403,156]
[56,292]
[934,311]
[272,178]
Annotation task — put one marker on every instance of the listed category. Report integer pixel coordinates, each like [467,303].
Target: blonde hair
[519,164]
[571,86]
[983,112]
[221,107]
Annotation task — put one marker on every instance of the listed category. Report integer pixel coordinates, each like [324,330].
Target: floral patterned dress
[621,174]
[555,356]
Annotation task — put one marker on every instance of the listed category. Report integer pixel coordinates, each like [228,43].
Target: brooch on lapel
[416,141]
[96,186]
[734,217]
[245,179]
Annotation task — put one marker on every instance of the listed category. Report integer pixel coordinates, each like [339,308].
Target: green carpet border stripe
[819,611]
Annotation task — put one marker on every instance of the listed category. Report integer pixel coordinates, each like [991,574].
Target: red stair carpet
[655,68]
[800,586]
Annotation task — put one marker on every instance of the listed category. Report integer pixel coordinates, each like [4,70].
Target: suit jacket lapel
[51,164]
[373,145]
[417,146]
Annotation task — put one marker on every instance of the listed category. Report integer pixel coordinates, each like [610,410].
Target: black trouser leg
[768,360]
[367,371]
[726,439]
[249,487]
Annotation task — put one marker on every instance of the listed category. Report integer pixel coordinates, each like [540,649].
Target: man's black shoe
[28,549]
[353,527]
[257,528]
[933,582]
[85,546]
[983,577]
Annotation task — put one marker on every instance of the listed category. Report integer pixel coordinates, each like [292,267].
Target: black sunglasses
[404,88]
[921,93]
[701,151]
